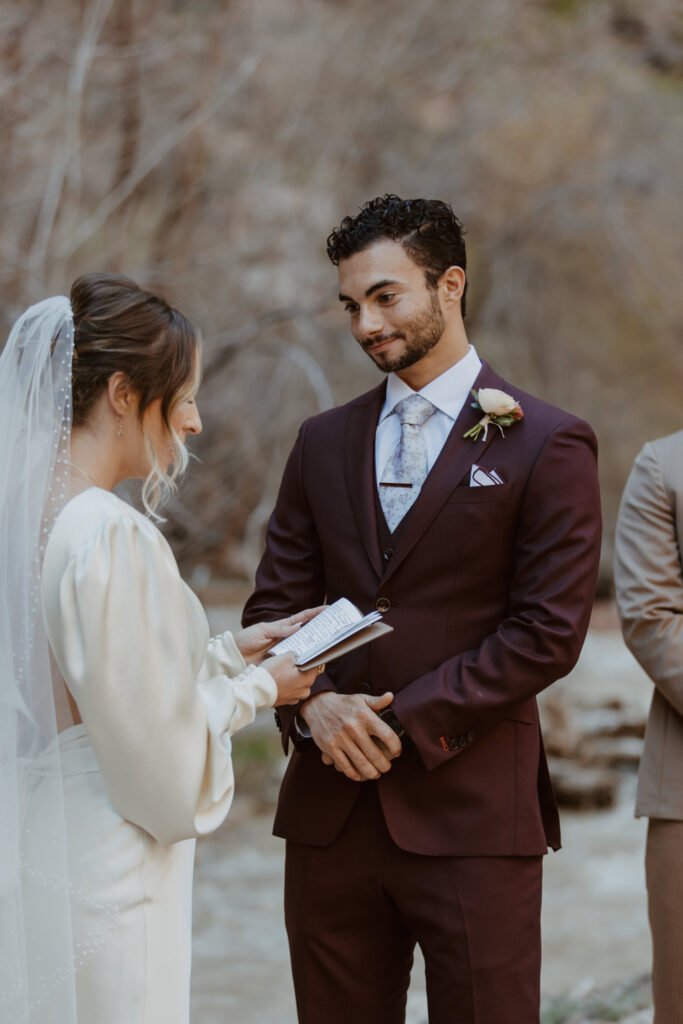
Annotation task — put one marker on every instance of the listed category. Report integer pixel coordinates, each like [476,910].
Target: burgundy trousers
[355,909]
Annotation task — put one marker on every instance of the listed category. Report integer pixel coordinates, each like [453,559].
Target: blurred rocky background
[206,148]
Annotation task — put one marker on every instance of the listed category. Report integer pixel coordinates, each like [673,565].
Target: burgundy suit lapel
[359,467]
[456,457]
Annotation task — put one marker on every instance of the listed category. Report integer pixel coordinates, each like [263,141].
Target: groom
[423,817]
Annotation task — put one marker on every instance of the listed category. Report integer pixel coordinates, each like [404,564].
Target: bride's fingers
[285,627]
[308,613]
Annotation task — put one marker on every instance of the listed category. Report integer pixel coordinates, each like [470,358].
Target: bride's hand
[293,684]
[254,642]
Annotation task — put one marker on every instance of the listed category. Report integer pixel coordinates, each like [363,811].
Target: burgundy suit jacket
[490,591]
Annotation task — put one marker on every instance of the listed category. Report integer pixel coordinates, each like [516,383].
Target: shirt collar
[448,392]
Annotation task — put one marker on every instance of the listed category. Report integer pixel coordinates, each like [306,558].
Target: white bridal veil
[36,949]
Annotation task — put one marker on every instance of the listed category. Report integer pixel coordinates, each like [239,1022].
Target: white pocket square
[483,477]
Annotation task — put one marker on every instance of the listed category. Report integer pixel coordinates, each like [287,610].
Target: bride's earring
[120,432]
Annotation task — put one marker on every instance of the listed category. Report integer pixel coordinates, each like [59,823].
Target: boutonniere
[500,409]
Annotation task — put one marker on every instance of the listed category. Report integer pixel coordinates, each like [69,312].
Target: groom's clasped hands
[350,733]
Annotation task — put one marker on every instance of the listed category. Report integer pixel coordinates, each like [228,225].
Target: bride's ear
[122,398]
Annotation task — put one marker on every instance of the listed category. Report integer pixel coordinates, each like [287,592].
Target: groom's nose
[370,323]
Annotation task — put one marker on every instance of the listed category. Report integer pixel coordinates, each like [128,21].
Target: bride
[116,709]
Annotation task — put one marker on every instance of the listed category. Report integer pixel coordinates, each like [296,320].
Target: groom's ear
[451,287]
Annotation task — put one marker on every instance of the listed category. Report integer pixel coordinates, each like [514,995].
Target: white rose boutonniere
[499,408]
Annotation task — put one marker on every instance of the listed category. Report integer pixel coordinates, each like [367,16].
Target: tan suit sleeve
[647,575]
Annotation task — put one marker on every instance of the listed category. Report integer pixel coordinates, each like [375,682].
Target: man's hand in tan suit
[350,734]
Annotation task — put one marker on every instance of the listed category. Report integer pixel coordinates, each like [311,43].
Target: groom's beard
[420,334]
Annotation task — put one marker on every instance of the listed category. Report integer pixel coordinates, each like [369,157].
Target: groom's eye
[351,307]
[387,297]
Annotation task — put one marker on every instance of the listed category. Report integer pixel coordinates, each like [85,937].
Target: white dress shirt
[448,393]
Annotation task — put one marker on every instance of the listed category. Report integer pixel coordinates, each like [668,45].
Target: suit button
[453,744]
[382,604]
[365,687]
[387,554]
[470,737]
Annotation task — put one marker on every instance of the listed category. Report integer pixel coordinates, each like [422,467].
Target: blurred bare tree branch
[207,149]
[151,160]
[67,152]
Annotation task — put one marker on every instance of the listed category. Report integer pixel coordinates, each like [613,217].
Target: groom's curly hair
[427,229]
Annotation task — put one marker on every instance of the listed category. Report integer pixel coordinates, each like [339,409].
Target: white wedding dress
[150,767]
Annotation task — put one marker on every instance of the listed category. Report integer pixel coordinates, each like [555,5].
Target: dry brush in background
[206,149]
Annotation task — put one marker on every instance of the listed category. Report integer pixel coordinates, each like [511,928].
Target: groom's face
[395,317]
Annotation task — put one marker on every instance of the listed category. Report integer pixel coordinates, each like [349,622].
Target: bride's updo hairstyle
[120,327]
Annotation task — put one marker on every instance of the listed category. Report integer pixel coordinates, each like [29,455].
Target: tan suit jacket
[649,585]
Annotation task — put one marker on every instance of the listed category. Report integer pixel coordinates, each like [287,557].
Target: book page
[321,630]
[342,634]
[363,636]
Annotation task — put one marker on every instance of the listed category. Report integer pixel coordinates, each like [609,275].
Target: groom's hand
[350,734]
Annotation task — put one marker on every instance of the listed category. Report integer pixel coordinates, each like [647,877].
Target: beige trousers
[664,873]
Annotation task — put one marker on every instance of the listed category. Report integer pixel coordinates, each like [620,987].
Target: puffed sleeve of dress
[160,701]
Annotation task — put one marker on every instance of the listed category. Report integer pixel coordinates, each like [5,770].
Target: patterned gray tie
[406,468]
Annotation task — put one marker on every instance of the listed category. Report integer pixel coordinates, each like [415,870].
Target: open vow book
[339,628]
